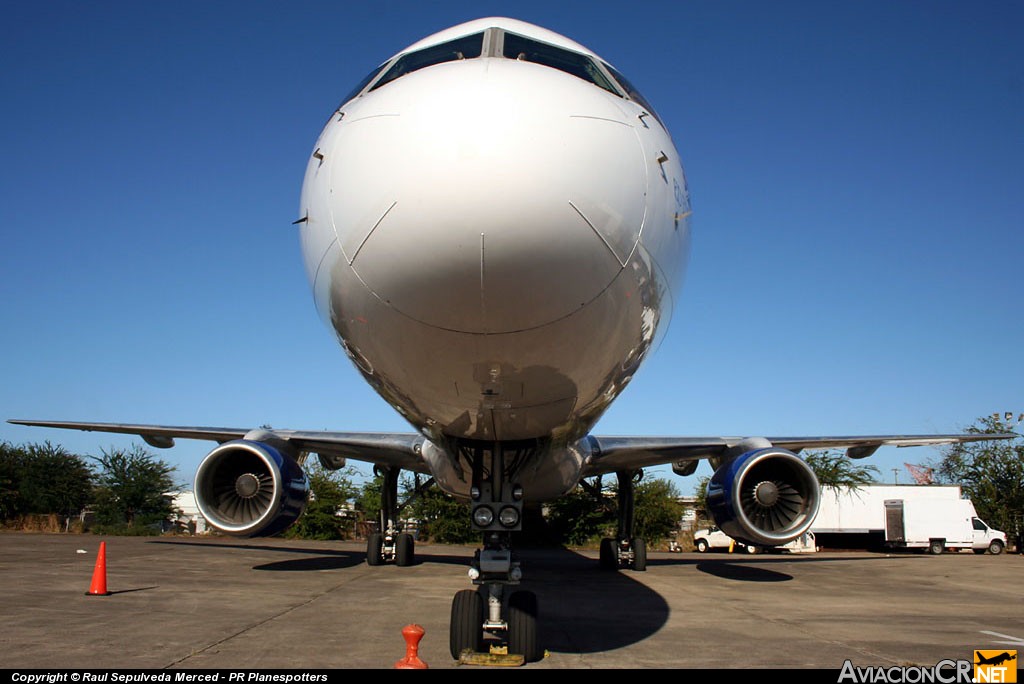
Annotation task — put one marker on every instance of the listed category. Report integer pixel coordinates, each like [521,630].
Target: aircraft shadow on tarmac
[571,588]
[325,559]
[748,568]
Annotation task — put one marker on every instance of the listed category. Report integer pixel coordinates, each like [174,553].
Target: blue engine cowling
[250,489]
[764,497]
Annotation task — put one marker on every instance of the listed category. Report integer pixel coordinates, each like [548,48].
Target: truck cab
[986,538]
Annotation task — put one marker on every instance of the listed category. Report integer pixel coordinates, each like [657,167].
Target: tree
[42,479]
[991,474]
[331,491]
[656,509]
[701,495]
[12,463]
[582,516]
[368,500]
[134,489]
[442,519]
[587,514]
[835,471]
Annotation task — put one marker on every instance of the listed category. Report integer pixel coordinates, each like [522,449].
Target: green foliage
[991,474]
[580,518]
[368,500]
[133,488]
[12,463]
[442,519]
[835,471]
[701,504]
[657,509]
[41,479]
[331,491]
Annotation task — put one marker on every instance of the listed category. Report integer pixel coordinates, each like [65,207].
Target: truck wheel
[936,547]
[996,547]
[702,545]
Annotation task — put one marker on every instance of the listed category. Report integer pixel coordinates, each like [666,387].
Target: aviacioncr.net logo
[942,672]
[995,666]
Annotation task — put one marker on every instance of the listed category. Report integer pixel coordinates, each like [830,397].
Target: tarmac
[181,602]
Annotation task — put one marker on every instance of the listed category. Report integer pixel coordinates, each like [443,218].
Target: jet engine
[250,489]
[765,497]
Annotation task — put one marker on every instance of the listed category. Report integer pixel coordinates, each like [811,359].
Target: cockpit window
[580,66]
[632,92]
[466,47]
[362,84]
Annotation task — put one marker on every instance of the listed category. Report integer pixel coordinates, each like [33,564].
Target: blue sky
[857,173]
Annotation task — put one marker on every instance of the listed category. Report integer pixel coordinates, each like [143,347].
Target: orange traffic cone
[411,661]
[99,574]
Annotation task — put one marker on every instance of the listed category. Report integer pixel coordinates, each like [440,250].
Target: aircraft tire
[405,550]
[465,632]
[374,554]
[607,557]
[639,554]
[522,626]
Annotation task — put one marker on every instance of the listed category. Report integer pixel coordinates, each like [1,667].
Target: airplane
[995,660]
[495,225]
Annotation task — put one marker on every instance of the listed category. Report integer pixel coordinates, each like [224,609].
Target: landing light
[483,516]
[509,516]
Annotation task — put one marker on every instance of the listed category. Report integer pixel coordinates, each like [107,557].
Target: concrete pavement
[272,603]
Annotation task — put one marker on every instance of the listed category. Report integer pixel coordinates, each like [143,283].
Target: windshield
[466,47]
[580,66]
[362,84]
[632,92]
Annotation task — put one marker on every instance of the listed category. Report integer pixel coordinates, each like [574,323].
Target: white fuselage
[496,243]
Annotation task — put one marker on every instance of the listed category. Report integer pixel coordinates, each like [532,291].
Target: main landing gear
[492,613]
[626,550]
[391,544]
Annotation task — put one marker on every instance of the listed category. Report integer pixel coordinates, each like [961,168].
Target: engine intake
[765,497]
[250,489]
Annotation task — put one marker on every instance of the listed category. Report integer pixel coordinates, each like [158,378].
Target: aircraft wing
[626,453]
[380,448]
[608,454]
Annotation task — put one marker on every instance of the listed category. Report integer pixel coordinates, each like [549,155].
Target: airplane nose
[492,200]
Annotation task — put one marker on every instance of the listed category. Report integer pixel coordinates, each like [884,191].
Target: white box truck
[934,518]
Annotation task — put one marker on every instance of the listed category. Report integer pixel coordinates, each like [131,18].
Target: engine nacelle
[765,497]
[250,489]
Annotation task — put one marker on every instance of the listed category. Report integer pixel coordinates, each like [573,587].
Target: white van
[713,538]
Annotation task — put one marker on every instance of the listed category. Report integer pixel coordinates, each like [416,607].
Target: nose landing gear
[493,615]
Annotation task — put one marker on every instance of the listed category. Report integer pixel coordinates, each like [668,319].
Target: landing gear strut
[492,610]
[626,550]
[390,544]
